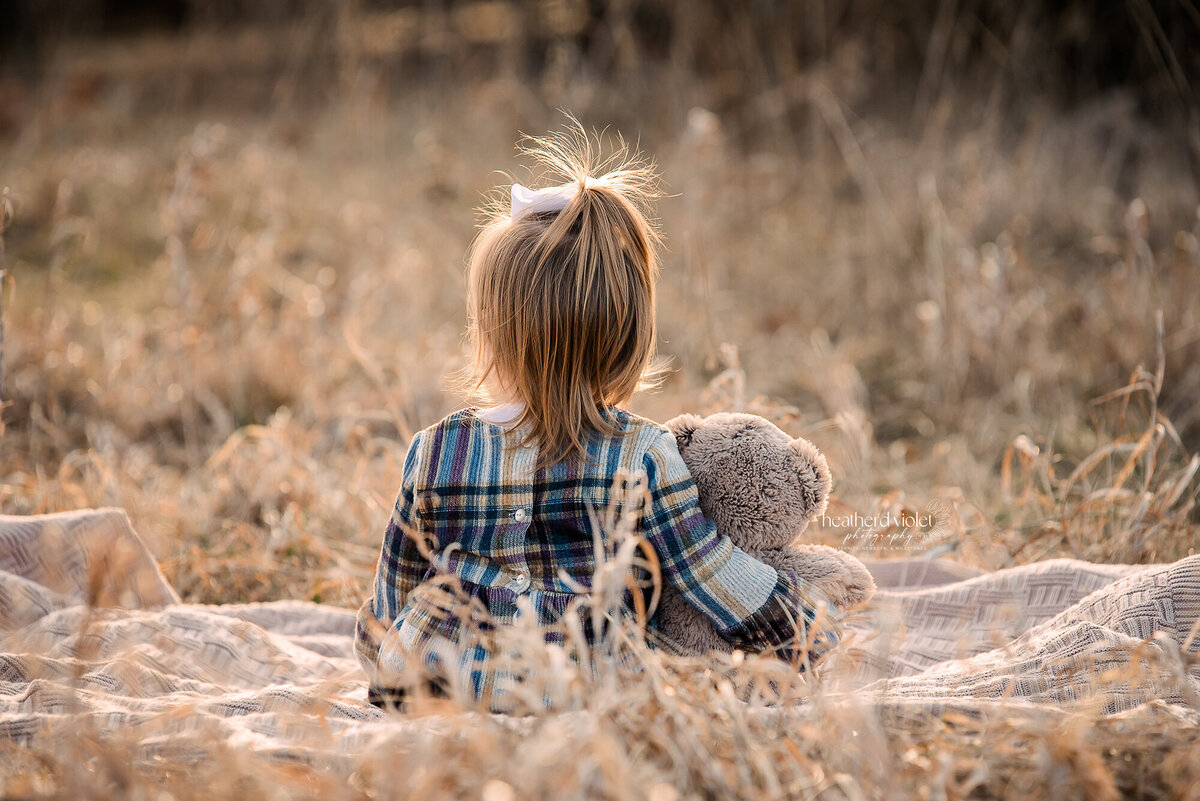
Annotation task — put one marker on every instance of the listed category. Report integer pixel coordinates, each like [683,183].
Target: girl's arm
[750,603]
[401,567]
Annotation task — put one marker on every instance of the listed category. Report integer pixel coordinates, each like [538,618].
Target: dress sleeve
[750,603]
[401,567]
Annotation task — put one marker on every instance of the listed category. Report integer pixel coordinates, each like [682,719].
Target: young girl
[500,500]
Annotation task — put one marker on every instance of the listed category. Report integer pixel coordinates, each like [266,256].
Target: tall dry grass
[231,327]
[230,323]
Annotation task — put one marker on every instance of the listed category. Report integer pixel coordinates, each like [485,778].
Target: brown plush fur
[761,488]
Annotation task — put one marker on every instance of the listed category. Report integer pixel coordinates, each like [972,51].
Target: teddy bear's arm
[749,603]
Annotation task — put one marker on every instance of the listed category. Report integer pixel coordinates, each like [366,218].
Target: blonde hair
[562,303]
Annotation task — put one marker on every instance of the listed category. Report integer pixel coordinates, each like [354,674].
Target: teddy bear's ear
[683,427]
[816,481]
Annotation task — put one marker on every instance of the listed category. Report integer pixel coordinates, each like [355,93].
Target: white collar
[502,414]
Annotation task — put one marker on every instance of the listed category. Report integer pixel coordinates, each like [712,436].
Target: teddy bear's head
[760,486]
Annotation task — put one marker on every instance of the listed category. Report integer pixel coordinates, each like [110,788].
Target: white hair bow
[552,198]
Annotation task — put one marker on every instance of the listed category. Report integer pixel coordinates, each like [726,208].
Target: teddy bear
[761,487]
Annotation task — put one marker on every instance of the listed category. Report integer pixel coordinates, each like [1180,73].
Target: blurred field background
[953,243]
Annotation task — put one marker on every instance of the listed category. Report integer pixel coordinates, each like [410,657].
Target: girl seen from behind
[495,517]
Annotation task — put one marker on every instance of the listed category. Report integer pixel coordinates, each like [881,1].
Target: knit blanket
[1062,630]
[92,638]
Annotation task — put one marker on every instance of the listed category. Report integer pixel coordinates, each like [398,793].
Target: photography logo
[892,530]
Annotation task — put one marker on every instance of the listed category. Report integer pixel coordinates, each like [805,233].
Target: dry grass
[231,323]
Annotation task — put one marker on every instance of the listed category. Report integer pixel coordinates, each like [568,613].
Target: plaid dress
[474,507]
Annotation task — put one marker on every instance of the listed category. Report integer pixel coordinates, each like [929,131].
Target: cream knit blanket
[92,637]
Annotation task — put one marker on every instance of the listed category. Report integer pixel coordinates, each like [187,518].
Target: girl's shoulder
[636,424]
[648,438]
[447,441]
[458,429]
[501,417]
[455,423]
[639,437]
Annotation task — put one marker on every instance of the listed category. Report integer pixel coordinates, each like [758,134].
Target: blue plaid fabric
[475,508]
